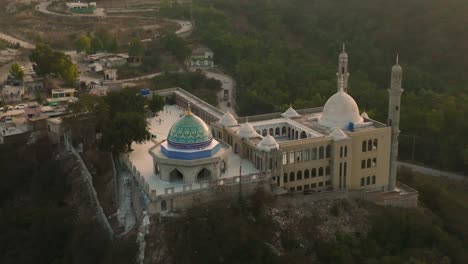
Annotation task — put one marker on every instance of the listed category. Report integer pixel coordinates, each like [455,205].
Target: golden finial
[189,110]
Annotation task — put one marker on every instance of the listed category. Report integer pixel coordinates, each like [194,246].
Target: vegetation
[136,49]
[17,72]
[100,41]
[119,117]
[50,62]
[156,103]
[39,222]
[193,82]
[176,45]
[286,51]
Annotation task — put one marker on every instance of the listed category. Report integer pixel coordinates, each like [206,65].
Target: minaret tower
[342,74]
[394,92]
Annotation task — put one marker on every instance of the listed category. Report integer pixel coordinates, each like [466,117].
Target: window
[314,153]
[368,180]
[341,179]
[264,132]
[341,169]
[299,155]
[375,144]
[364,146]
[320,184]
[299,175]
[328,151]
[285,158]
[314,172]
[313,185]
[291,176]
[374,162]
[291,157]
[321,154]
[341,151]
[327,170]
[306,154]
[306,187]
[291,189]
[363,164]
[373,179]
[320,171]
[346,151]
[369,145]
[299,188]
[369,163]
[285,177]
[271,132]
[306,174]
[362,181]
[328,183]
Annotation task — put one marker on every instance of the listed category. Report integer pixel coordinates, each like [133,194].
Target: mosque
[329,148]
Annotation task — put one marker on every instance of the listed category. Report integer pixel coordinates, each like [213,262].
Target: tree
[96,44]
[176,45]
[136,49]
[47,61]
[17,71]
[83,43]
[156,103]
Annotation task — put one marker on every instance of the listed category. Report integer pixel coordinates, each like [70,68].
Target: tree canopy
[17,71]
[47,61]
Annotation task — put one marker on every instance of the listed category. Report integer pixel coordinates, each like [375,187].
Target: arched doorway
[277,131]
[203,175]
[264,132]
[163,205]
[176,176]
[297,135]
[303,134]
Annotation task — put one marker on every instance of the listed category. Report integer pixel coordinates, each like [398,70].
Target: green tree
[83,43]
[156,103]
[136,49]
[176,45]
[96,44]
[17,71]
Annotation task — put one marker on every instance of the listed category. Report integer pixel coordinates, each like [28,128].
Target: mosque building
[334,147]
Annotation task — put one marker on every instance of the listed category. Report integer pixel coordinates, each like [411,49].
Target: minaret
[394,92]
[342,74]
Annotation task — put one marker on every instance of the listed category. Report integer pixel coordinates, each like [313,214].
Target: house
[13,131]
[62,96]
[32,84]
[12,93]
[96,67]
[110,74]
[81,8]
[202,57]
[99,90]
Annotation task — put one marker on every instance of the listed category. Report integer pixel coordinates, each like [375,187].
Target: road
[14,40]
[432,172]
[229,85]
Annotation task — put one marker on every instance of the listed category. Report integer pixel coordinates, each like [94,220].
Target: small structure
[110,74]
[61,96]
[55,130]
[202,58]
[13,131]
[99,90]
[32,84]
[81,8]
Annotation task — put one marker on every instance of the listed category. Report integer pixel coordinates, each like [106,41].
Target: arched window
[375,144]
[285,177]
[364,146]
[341,151]
[327,170]
[369,145]
[320,171]
[283,131]
[321,154]
[289,132]
[362,181]
[368,180]
[303,134]
[291,176]
[277,131]
[306,174]
[328,151]
[314,172]
[299,175]
[271,132]
[369,163]
[292,133]
[264,132]
[297,135]
[363,164]
[346,151]
[373,179]
[374,162]
[314,153]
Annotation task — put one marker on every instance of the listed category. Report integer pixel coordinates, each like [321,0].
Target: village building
[202,58]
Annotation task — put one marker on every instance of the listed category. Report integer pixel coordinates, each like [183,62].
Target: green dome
[190,132]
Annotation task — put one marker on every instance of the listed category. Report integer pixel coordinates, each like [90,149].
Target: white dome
[268,143]
[290,113]
[228,120]
[364,115]
[247,131]
[339,110]
[338,134]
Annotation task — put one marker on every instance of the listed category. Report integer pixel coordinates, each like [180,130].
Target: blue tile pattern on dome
[190,132]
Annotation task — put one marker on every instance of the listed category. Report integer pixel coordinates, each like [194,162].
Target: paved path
[433,172]
[227,83]
[14,40]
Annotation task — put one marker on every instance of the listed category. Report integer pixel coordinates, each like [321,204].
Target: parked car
[2,109]
[8,107]
[226,80]
[20,106]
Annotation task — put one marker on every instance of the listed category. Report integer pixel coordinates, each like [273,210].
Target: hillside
[286,51]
